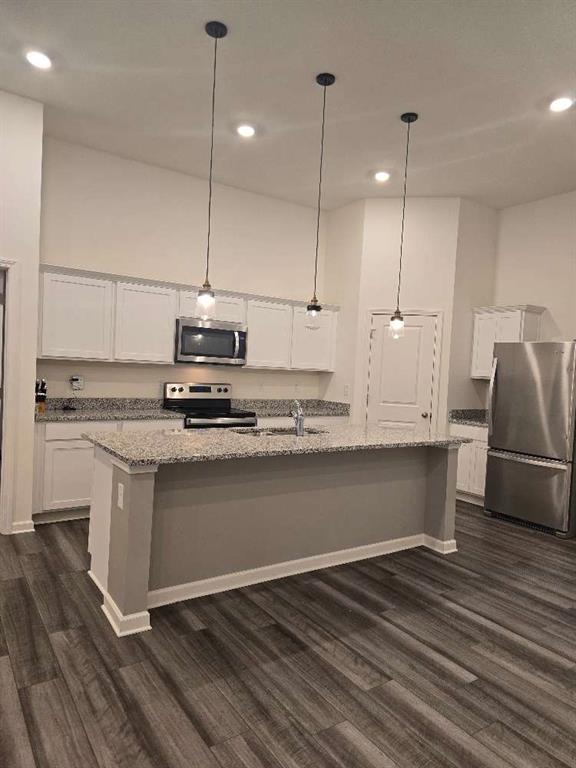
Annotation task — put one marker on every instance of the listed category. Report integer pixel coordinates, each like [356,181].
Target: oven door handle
[236,345]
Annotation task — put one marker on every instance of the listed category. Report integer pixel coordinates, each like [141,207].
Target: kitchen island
[181,513]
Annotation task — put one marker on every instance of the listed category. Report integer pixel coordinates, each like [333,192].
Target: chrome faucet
[298,416]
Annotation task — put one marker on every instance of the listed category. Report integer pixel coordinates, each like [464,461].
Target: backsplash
[136,380]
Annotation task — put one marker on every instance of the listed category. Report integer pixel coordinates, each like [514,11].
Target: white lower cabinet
[472,456]
[64,462]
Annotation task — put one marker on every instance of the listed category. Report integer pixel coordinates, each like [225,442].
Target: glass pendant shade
[205,302]
[396,327]
[313,315]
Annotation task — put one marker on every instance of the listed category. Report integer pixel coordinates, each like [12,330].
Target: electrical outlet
[76,381]
[346,390]
[120,501]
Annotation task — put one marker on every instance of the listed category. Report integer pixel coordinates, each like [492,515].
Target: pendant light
[205,302]
[314,307]
[396,328]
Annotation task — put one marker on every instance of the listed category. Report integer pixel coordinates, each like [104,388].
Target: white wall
[537,261]
[20,180]
[104,213]
[108,214]
[345,239]
[430,245]
[140,380]
[474,287]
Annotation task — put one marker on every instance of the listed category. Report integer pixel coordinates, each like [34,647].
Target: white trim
[167,595]
[61,515]
[129,624]
[470,498]
[23,526]
[10,395]
[96,581]
[437,545]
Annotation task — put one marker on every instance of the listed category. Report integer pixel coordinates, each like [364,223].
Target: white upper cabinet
[145,323]
[230,309]
[76,317]
[313,349]
[269,334]
[492,324]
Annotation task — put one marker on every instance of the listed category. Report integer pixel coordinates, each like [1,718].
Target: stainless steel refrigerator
[531,416]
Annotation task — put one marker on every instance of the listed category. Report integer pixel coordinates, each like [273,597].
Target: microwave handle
[236,344]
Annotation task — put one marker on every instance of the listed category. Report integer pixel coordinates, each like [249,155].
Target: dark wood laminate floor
[413,660]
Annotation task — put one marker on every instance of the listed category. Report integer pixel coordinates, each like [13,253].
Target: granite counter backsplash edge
[262,407]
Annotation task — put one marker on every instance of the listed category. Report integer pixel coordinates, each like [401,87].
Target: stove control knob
[180,389]
[225,389]
[219,389]
[172,389]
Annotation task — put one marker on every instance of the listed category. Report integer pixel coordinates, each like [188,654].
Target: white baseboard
[24,526]
[470,498]
[167,595]
[62,515]
[123,625]
[437,545]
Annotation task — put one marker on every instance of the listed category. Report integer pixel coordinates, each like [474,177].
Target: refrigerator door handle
[560,466]
[491,395]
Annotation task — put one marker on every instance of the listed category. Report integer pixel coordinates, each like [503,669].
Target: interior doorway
[2,305]
[403,373]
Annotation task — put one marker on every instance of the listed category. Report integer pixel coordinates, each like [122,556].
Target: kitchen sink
[271,431]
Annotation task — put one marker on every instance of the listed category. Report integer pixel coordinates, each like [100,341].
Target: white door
[313,349]
[269,334]
[145,323]
[400,390]
[76,317]
[230,309]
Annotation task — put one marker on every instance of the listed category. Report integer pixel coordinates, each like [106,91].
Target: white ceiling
[133,77]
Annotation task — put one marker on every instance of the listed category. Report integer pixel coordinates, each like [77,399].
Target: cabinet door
[76,317]
[145,323]
[68,466]
[478,474]
[269,334]
[509,326]
[485,332]
[465,457]
[230,309]
[313,349]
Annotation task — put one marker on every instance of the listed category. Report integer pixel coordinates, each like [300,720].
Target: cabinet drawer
[74,430]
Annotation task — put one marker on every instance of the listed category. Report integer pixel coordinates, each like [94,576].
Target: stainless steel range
[206,405]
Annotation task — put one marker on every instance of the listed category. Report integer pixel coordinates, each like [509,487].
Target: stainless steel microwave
[210,341]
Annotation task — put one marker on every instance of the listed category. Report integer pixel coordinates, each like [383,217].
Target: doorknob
[425,415]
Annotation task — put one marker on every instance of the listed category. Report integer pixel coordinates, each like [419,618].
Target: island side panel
[441,498]
[125,602]
[222,517]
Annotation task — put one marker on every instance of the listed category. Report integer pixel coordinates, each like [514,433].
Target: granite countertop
[472,417]
[125,409]
[185,446]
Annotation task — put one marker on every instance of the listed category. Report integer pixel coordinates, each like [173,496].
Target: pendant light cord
[403,217]
[207,281]
[319,192]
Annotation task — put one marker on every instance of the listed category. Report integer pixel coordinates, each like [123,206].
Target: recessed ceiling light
[38,60]
[246,131]
[561,104]
[381,176]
